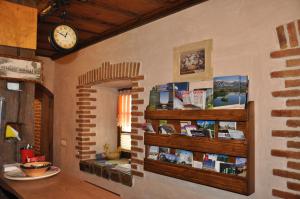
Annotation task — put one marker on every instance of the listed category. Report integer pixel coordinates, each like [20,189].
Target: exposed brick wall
[289,41]
[86,106]
[87,102]
[37,104]
[110,72]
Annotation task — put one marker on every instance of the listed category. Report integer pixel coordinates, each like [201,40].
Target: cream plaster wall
[48,72]
[243,33]
[106,121]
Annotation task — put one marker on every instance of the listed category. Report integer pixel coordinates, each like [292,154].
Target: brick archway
[86,105]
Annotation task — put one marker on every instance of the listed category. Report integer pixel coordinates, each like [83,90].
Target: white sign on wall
[20,69]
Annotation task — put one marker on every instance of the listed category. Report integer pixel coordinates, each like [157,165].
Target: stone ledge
[106,171]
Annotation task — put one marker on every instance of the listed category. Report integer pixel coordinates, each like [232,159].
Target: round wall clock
[63,38]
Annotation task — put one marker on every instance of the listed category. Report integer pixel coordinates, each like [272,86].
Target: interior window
[124,120]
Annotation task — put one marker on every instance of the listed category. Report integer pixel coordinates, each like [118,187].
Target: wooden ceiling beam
[76,23]
[45,46]
[107,6]
[79,28]
[134,24]
[42,37]
[166,1]
[99,13]
[50,25]
[88,19]
[44,53]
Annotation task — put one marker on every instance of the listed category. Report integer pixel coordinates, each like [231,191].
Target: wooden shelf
[210,114]
[233,148]
[227,182]
[206,145]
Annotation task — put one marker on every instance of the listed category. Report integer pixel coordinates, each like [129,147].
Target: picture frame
[192,62]
[16,68]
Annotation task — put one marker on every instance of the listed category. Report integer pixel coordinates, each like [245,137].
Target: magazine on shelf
[222,158]
[228,168]
[195,99]
[214,161]
[209,161]
[198,98]
[190,129]
[164,150]
[153,99]
[165,155]
[161,123]
[170,95]
[182,127]
[165,97]
[241,166]
[184,157]
[207,98]
[237,168]
[236,134]
[224,127]
[153,152]
[206,127]
[165,128]
[230,92]
[197,164]
[148,128]
[178,88]
[228,130]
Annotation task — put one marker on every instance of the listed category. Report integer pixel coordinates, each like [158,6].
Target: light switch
[63,142]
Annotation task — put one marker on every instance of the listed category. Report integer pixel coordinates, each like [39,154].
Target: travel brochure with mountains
[229,92]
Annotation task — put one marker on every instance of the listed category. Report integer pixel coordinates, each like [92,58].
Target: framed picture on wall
[192,62]
[18,68]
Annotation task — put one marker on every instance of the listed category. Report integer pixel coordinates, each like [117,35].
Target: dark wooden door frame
[47,100]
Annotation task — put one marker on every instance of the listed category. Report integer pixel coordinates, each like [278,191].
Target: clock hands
[61,34]
[64,35]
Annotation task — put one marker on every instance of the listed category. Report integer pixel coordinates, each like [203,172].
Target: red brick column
[37,125]
[86,105]
[288,35]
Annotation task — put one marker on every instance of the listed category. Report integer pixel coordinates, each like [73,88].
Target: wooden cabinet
[232,148]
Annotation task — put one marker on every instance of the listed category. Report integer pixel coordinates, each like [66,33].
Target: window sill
[107,171]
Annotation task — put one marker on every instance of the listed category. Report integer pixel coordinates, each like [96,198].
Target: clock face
[64,37]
